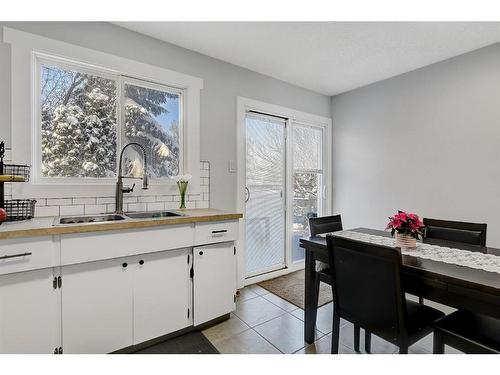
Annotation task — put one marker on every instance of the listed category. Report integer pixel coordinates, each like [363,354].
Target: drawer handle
[15,256]
[219,231]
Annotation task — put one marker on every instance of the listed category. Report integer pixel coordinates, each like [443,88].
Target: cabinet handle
[141,262]
[201,252]
[15,255]
[124,265]
[219,231]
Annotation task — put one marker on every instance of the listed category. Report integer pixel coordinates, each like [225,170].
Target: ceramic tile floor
[264,323]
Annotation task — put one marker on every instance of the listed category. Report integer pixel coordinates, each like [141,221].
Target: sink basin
[152,214]
[88,219]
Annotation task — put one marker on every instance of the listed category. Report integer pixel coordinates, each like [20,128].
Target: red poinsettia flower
[406,223]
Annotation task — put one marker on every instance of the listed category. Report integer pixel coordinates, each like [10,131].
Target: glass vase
[182,185]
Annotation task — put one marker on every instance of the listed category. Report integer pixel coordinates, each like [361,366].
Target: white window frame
[26,48]
[294,116]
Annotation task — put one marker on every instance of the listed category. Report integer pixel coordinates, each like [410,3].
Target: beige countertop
[43,226]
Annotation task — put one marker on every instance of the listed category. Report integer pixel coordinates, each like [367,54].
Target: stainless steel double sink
[94,219]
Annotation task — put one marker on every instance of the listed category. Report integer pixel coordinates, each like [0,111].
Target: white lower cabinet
[162,294]
[214,281]
[112,304]
[30,312]
[97,306]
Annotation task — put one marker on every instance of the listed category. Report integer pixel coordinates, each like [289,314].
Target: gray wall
[223,83]
[427,141]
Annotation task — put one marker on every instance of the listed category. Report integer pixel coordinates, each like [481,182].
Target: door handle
[247,194]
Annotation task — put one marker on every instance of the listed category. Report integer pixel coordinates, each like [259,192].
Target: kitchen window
[86,116]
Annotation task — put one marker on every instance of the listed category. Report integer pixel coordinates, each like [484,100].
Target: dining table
[453,285]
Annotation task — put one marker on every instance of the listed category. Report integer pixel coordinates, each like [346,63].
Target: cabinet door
[214,281]
[30,312]
[97,306]
[162,294]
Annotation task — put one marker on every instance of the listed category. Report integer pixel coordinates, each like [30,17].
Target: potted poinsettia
[407,227]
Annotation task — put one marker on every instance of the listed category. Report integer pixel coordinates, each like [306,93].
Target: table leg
[310,298]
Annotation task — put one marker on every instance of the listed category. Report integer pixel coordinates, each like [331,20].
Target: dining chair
[456,231]
[323,225]
[368,293]
[468,332]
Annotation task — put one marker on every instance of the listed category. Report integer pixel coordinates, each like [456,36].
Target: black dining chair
[323,225]
[468,332]
[456,231]
[367,288]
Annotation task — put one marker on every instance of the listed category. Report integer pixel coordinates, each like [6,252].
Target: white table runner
[471,259]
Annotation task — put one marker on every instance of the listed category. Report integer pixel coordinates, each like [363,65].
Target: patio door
[265,200]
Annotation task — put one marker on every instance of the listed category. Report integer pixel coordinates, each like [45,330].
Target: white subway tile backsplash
[97,205]
[194,197]
[95,209]
[146,199]
[72,210]
[136,207]
[84,200]
[46,210]
[171,205]
[105,200]
[59,201]
[156,206]
[164,198]
[201,204]
[129,199]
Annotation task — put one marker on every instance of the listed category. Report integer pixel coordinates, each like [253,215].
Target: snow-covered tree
[78,125]
[143,106]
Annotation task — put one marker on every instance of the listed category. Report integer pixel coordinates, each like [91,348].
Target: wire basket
[20,209]
[17,170]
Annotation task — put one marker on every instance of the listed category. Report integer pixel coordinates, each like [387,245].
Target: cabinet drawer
[88,247]
[206,233]
[27,254]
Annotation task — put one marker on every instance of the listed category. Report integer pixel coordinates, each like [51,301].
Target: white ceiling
[326,57]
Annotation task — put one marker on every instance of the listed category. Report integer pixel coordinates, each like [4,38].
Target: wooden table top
[482,281]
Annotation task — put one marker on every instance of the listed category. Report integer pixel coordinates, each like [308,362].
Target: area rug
[189,343]
[291,288]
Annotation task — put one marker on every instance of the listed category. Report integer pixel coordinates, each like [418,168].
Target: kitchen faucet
[119,184]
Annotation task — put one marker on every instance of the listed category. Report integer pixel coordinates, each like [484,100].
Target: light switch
[232,166]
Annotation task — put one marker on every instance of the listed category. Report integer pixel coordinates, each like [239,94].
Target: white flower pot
[405,241]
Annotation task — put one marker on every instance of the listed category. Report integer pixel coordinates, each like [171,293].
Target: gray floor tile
[285,332]
[378,346]
[246,294]
[257,310]
[226,329]
[247,342]
[257,289]
[324,318]
[323,346]
[280,302]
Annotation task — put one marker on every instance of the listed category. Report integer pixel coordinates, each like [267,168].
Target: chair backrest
[325,224]
[456,231]
[367,285]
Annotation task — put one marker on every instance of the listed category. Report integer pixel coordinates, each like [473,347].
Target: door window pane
[78,124]
[307,182]
[265,183]
[152,119]
[307,148]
